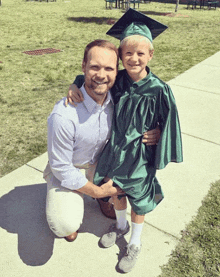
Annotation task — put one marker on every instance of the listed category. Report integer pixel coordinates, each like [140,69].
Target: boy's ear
[151,53]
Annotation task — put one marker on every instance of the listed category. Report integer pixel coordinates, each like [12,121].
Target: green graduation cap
[136,23]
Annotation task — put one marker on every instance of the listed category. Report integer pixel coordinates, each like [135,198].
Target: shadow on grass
[156,13]
[23,213]
[97,20]
[111,21]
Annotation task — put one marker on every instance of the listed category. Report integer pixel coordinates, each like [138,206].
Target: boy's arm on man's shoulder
[75,96]
[79,80]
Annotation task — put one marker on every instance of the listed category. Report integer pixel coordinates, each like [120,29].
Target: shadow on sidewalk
[23,213]
[94,221]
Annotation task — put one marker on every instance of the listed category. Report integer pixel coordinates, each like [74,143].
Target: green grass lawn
[30,86]
[198,252]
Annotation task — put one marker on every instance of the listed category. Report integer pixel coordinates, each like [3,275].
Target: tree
[177,5]
[127,5]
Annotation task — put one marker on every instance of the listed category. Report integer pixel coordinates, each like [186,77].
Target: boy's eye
[141,54]
[128,53]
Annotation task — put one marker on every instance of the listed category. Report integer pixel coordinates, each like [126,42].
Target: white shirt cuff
[78,183]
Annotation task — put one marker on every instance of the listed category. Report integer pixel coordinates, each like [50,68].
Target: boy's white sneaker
[113,234]
[130,258]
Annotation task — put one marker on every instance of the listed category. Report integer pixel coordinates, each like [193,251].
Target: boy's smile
[135,57]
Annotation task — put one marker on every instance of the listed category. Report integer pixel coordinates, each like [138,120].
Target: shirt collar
[90,104]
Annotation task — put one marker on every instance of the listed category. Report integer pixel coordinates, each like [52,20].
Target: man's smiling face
[100,71]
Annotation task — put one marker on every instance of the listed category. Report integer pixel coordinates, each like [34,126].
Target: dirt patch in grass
[174,15]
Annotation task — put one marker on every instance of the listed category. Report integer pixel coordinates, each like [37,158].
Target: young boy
[141,101]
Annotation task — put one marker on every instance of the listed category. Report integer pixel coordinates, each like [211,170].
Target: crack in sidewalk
[34,168]
[201,138]
[192,88]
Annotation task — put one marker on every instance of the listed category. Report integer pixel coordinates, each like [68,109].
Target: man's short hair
[100,43]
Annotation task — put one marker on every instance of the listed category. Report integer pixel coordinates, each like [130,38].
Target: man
[76,137]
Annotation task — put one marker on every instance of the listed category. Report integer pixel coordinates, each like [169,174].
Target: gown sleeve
[79,81]
[169,148]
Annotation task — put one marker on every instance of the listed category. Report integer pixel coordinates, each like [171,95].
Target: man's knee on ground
[63,227]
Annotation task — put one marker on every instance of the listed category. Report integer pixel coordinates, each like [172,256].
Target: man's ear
[83,67]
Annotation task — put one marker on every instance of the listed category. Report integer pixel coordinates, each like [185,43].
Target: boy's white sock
[136,230]
[121,217]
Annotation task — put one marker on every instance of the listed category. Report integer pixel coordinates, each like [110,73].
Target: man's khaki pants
[64,207]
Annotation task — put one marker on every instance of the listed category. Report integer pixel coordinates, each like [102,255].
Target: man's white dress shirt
[77,136]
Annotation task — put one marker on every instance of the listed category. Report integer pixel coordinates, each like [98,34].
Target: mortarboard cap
[136,23]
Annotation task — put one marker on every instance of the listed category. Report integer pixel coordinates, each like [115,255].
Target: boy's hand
[106,179]
[74,96]
[151,137]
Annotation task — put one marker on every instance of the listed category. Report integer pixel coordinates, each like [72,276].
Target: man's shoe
[71,237]
[107,209]
[130,258]
[110,238]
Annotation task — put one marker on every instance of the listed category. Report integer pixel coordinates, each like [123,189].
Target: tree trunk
[127,5]
[177,5]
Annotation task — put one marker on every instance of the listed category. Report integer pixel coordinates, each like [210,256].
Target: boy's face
[135,57]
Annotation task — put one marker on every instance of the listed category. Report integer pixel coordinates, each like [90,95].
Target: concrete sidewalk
[29,248]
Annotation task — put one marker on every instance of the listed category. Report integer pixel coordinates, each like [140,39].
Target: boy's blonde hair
[135,39]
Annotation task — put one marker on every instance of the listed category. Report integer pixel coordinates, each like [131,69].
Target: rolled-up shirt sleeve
[61,137]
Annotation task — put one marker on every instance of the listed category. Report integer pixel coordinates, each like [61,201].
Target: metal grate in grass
[42,51]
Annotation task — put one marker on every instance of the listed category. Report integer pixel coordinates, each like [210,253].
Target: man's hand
[74,96]
[151,137]
[110,190]
[107,189]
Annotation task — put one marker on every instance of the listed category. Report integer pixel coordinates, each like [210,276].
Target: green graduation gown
[139,107]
